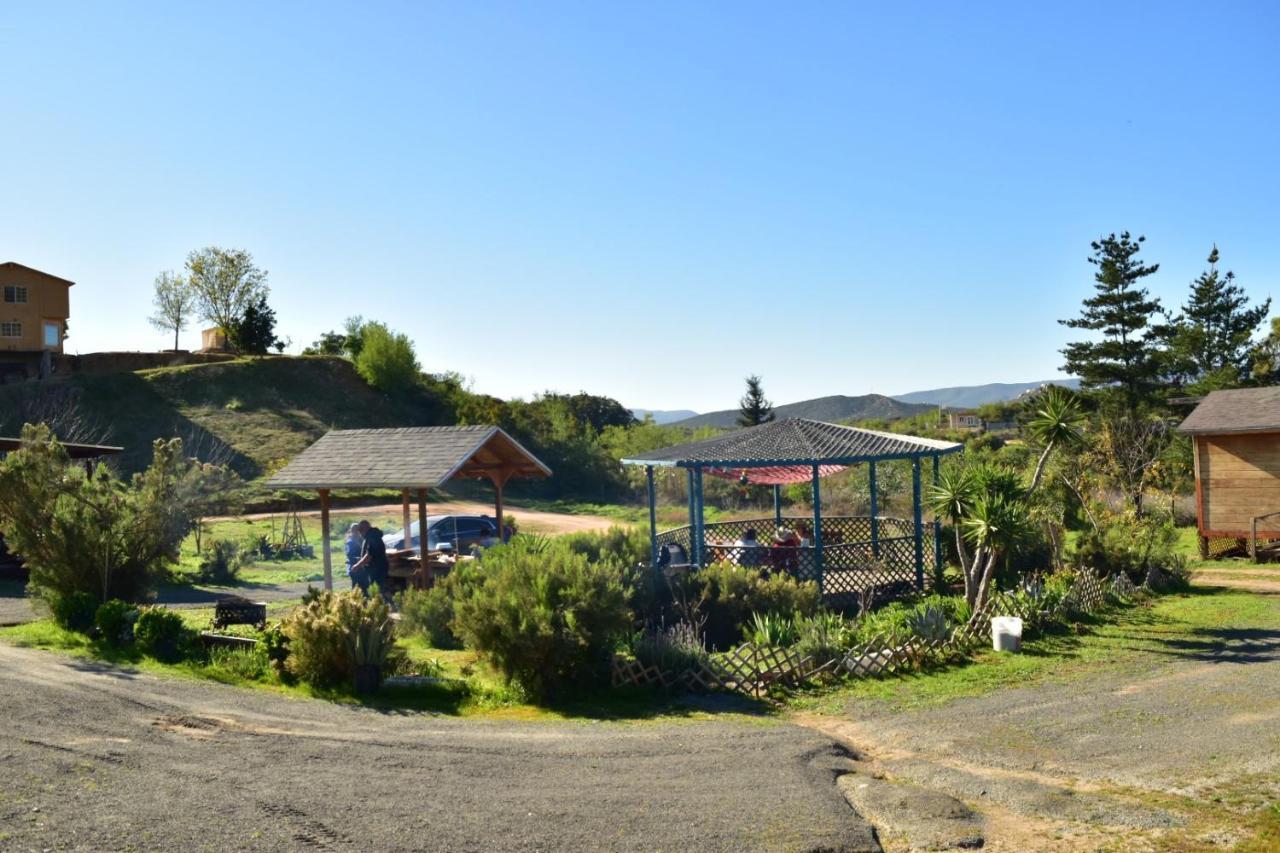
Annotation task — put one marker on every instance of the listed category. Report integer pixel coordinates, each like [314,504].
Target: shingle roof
[410,457]
[794,441]
[1238,410]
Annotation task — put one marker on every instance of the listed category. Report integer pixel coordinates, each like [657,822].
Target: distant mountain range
[837,408]
[841,408]
[663,416]
[969,396]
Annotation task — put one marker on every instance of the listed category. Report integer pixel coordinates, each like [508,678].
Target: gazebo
[411,459]
[845,555]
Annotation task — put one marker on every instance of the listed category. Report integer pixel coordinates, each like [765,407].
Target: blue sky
[646,200]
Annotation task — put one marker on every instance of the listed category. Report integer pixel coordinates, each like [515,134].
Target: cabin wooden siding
[47,301]
[1237,478]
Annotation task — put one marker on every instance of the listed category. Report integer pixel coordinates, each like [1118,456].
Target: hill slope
[969,396]
[663,416]
[833,409]
[253,414]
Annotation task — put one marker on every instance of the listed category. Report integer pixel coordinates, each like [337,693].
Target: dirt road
[530,520]
[1179,745]
[100,758]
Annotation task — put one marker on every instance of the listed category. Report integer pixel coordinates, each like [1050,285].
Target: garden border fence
[754,670]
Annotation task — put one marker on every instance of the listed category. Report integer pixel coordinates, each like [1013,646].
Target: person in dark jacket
[373,558]
[354,549]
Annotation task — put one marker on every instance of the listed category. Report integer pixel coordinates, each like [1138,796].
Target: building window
[10,330]
[15,295]
[52,334]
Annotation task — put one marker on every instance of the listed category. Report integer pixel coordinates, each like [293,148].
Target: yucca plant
[772,629]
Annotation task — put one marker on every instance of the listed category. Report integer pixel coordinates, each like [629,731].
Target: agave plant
[929,623]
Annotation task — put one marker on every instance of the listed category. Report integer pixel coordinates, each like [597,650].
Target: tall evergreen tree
[753,408]
[1211,342]
[1127,356]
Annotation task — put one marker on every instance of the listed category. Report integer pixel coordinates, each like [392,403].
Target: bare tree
[59,407]
[1129,446]
[174,301]
[225,282]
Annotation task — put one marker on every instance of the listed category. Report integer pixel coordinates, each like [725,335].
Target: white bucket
[1006,633]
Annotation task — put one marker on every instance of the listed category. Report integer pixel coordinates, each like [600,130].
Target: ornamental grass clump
[547,620]
[331,634]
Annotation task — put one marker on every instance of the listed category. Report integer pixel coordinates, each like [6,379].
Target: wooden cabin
[1236,437]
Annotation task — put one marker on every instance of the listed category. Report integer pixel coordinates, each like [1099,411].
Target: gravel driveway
[97,757]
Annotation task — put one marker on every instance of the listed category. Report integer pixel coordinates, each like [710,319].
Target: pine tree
[1210,344]
[753,408]
[1127,356]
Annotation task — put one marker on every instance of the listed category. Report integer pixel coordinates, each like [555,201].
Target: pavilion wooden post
[499,479]
[405,516]
[422,525]
[324,539]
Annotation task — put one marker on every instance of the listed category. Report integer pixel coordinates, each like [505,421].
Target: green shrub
[726,596]
[773,629]
[547,621]
[161,633]
[74,611]
[223,562]
[1124,542]
[430,612]
[96,533]
[330,633]
[932,617]
[275,644]
[386,360]
[114,620]
[824,636]
[675,649]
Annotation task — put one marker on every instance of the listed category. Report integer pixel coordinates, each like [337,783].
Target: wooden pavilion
[845,555]
[1236,437]
[411,459]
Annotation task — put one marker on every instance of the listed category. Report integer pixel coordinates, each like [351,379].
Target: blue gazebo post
[653,516]
[693,513]
[919,521]
[875,512]
[937,525]
[817,528]
[777,505]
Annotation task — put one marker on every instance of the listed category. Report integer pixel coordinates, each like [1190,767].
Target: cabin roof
[1235,411]
[16,265]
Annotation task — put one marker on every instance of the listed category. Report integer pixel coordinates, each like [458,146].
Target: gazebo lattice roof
[785,451]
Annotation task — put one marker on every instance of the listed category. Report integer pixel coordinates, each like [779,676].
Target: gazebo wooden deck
[847,555]
[411,459]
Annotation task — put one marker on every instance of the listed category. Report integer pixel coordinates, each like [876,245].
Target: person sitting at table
[786,537]
[749,552]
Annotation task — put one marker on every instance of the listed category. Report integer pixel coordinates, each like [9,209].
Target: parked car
[459,532]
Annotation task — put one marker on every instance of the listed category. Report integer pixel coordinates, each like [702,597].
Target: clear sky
[646,200]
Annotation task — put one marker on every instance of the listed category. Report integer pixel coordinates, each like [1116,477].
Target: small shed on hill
[1236,439]
[411,459]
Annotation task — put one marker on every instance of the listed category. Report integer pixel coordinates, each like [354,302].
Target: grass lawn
[1119,640]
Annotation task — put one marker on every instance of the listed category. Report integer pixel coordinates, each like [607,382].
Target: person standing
[355,545]
[373,558]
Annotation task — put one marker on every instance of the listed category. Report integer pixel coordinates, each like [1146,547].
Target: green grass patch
[1130,639]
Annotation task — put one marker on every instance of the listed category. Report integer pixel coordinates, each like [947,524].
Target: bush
[386,360]
[275,644]
[330,633]
[824,636]
[431,612]
[627,548]
[675,649]
[930,618]
[1124,542]
[114,620]
[222,564]
[161,633]
[238,664]
[74,611]
[547,621]
[95,533]
[725,596]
